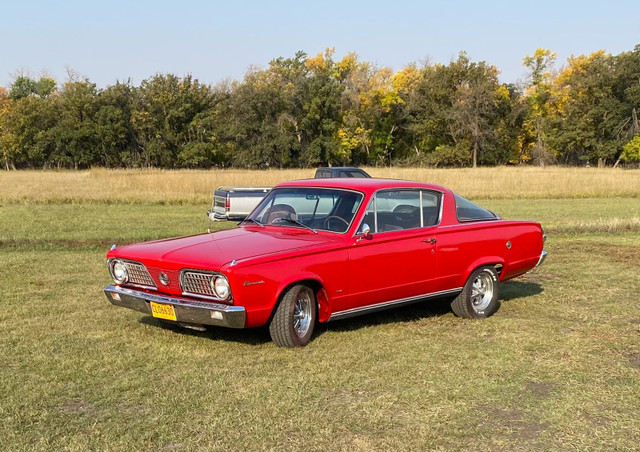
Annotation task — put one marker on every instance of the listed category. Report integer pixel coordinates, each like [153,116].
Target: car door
[398,259]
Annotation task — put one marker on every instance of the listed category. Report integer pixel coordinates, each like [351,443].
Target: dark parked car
[339,171]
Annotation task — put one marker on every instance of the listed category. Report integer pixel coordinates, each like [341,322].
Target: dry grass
[603,225]
[184,186]
[557,368]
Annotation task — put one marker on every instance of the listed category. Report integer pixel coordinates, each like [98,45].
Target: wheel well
[497,266]
[315,285]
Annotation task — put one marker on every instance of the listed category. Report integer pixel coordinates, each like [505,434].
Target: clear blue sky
[213,40]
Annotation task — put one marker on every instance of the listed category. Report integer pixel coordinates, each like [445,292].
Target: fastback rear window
[468,211]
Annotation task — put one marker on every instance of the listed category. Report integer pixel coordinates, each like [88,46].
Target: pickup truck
[235,203]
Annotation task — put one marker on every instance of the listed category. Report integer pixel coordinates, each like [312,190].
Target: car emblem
[164,279]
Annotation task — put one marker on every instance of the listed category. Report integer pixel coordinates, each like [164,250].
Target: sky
[117,40]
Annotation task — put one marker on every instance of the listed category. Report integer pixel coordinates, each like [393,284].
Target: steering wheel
[334,217]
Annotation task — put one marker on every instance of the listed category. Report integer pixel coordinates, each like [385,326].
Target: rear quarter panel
[463,247]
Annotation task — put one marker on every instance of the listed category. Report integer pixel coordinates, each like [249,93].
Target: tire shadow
[519,289]
[422,309]
[248,336]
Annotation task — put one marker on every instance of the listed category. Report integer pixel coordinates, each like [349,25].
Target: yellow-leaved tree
[532,140]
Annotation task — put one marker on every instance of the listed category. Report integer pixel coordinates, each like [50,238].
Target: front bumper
[187,311]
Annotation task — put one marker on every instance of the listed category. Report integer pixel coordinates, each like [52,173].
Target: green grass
[558,367]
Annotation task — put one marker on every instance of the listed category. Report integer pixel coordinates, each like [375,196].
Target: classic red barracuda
[319,250]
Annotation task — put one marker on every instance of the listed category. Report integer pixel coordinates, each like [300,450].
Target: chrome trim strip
[247,283]
[374,200]
[543,256]
[421,210]
[471,223]
[375,209]
[187,311]
[389,304]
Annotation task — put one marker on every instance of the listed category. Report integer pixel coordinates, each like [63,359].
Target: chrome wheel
[294,319]
[302,313]
[481,292]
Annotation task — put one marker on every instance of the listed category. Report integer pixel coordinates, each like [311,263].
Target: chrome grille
[197,283]
[138,274]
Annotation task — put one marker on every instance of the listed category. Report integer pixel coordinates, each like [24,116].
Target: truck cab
[340,171]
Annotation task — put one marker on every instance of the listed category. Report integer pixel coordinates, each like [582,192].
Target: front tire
[294,319]
[479,297]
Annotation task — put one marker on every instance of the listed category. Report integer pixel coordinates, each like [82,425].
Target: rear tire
[479,297]
[294,319]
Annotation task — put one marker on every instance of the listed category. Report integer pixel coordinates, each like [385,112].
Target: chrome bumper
[215,216]
[543,256]
[187,311]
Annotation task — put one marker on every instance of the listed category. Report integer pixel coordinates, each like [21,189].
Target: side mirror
[365,232]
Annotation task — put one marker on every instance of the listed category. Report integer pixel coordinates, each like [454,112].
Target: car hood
[213,250]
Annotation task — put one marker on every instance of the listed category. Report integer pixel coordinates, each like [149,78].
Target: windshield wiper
[292,221]
[254,221]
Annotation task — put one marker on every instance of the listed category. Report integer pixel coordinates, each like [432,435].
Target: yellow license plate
[163,311]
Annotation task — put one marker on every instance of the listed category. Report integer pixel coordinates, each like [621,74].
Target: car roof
[362,184]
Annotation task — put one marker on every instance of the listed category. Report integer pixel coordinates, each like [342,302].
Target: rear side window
[396,210]
[468,211]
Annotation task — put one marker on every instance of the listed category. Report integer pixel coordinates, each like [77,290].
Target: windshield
[319,209]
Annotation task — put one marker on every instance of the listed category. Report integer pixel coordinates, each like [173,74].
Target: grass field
[558,367]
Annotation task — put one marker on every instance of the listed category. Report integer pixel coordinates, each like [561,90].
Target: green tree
[116,145]
[265,115]
[165,106]
[75,131]
[480,105]
[588,111]
[28,140]
[453,115]
[24,86]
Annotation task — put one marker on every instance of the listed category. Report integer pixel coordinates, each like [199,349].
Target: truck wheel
[294,319]
[479,297]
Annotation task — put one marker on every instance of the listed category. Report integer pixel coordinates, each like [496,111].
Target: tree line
[318,110]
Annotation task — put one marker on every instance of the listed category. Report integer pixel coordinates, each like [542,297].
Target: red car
[318,250]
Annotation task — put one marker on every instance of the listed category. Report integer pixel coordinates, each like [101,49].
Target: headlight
[220,287]
[119,272]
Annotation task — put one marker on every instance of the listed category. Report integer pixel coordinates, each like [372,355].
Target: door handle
[431,240]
